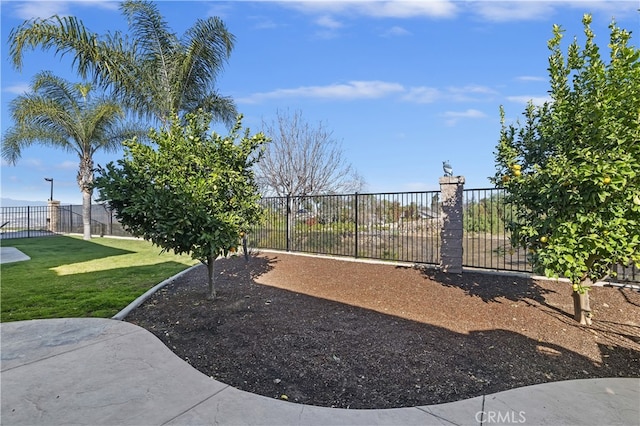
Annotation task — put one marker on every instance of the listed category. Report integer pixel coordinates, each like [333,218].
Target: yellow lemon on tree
[544,239]
[516,172]
[516,167]
[606,180]
[575,287]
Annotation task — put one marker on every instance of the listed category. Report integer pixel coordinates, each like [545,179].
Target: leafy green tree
[63,115]
[489,214]
[194,193]
[573,166]
[153,72]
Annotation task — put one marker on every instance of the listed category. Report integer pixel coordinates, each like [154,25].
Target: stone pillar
[451,232]
[54,215]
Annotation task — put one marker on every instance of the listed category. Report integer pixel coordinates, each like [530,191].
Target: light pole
[50,180]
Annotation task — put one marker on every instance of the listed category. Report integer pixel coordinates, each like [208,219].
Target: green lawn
[70,277]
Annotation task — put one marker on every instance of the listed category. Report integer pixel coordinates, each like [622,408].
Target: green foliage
[489,215]
[194,194]
[573,166]
[152,70]
[64,115]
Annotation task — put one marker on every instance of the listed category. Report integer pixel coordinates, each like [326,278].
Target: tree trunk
[581,306]
[85,182]
[212,288]
[86,214]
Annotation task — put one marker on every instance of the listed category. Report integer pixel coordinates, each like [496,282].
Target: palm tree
[61,114]
[153,72]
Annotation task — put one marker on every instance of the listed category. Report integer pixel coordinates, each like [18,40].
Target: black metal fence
[37,221]
[396,226]
[391,226]
[486,240]
[401,226]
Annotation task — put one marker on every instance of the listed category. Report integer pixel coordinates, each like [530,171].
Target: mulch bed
[346,334]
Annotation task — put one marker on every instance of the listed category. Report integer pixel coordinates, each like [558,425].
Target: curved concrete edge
[142,298]
[102,371]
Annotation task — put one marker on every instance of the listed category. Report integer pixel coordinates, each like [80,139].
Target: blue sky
[402,85]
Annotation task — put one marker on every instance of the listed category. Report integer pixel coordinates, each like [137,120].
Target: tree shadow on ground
[479,285]
[274,342]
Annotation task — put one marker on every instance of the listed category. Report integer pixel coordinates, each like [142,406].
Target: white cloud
[18,89]
[452,117]
[327,21]
[379,9]
[46,9]
[219,9]
[344,91]
[470,93]
[422,95]
[527,78]
[378,89]
[67,165]
[493,11]
[525,99]
[33,162]
[470,113]
[40,9]
[395,32]
[510,11]
[265,24]
[407,9]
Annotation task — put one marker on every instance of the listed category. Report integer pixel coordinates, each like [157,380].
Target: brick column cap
[451,180]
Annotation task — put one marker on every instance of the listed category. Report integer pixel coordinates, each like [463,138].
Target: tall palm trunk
[85,182]
[86,215]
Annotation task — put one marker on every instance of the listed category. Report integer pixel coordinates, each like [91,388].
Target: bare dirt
[339,333]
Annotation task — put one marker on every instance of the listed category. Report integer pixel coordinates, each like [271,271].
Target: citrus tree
[193,192]
[572,167]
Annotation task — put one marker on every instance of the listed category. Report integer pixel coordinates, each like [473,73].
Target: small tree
[573,168]
[194,194]
[304,160]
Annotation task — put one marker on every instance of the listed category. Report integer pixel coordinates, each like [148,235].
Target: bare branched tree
[303,160]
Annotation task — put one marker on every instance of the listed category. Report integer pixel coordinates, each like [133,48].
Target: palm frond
[208,44]
[18,138]
[222,108]
[156,44]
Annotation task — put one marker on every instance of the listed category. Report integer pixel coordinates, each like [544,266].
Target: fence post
[356,225]
[288,227]
[54,215]
[451,232]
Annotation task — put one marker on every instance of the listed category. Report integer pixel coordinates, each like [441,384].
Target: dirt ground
[339,333]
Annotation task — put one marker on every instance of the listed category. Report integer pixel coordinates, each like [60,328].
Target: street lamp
[50,180]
